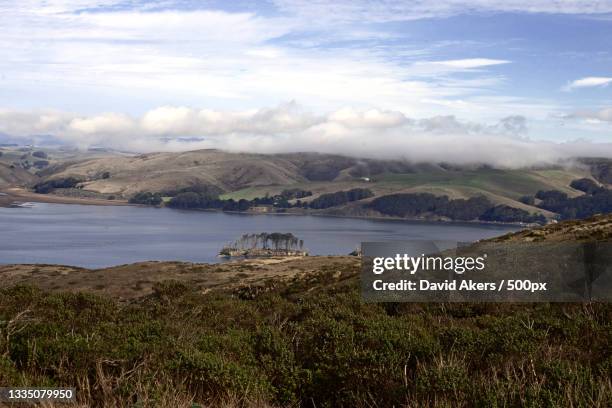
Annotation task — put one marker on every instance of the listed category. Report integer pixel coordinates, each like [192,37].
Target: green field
[511,184]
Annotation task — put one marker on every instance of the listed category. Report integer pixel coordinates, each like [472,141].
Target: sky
[508,82]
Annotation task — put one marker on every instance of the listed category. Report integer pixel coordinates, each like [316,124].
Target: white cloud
[127,56]
[69,51]
[470,63]
[588,82]
[372,133]
[372,118]
[603,115]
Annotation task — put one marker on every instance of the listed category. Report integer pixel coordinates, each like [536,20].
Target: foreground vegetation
[309,342]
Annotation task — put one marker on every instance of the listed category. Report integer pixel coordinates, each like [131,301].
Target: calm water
[94,237]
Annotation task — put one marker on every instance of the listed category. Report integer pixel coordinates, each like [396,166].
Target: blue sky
[245,74]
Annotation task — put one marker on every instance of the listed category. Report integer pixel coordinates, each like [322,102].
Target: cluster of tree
[278,201]
[529,200]
[413,204]
[265,240]
[39,164]
[586,185]
[340,198]
[475,208]
[596,201]
[24,164]
[504,213]
[48,186]
[293,193]
[146,198]
[211,200]
[601,169]
[40,154]
[194,199]
[208,190]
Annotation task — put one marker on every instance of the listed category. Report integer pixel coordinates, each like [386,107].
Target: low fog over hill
[288,128]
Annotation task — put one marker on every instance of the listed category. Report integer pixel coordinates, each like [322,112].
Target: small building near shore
[262,209]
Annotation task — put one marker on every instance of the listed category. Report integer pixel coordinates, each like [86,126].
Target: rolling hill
[244,175]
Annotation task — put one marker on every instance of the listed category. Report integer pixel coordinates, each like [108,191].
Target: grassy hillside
[458,183]
[294,347]
[248,176]
[245,175]
[170,171]
[501,187]
[22,166]
[10,176]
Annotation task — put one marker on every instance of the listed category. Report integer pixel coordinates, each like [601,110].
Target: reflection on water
[95,237]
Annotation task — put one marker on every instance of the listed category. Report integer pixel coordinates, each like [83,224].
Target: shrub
[586,185]
[48,186]
[39,164]
[295,346]
[146,198]
[186,200]
[599,202]
[40,154]
[529,200]
[293,193]
[409,204]
[504,213]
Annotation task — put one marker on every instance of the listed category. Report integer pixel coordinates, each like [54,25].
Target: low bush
[48,186]
[146,198]
[310,343]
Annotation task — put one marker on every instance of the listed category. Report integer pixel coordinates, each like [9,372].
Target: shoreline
[11,195]
[16,194]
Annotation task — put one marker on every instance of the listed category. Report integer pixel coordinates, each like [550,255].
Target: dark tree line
[146,198]
[475,208]
[48,186]
[40,155]
[293,193]
[206,200]
[193,200]
[596,200]
[207,190]
[587,186]
[340,198]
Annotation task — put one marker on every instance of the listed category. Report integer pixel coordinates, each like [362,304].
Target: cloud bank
[372,133]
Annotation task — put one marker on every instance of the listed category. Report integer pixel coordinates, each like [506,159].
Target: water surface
[101,236]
